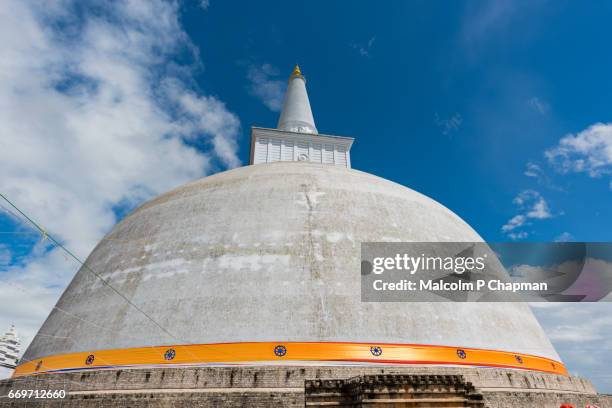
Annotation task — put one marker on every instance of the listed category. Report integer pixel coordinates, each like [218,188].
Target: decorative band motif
[254,353]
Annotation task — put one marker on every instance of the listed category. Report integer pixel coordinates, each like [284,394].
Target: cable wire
[84,265]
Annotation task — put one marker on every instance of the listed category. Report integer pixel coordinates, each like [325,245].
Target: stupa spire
[296,115]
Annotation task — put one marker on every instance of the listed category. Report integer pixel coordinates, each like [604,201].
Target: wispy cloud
[581,334]
[532,206]
[484,22]
[205,4]
[533,170]
[488,26]
[266,86]
[536,171]
[514,223]
[94,113]
[450,124]
[5,256]
[483,18]
[538,105]
[515,236]
[364,49]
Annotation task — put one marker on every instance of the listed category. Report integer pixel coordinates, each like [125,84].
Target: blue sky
[499,110]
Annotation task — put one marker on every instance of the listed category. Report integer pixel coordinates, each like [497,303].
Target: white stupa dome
[268,253]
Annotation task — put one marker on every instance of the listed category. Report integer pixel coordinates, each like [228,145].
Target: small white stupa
[9,352]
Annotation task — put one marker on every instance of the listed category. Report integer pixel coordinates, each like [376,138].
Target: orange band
[255,353]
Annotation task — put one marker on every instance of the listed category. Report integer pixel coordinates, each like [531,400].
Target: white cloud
[449,125]
[539,210]
[588,151]
[205,4]
[265,85]
[523,270]
[532,206]
[364,49]
[93,114]
[564,237]
[536,206]
[514,222]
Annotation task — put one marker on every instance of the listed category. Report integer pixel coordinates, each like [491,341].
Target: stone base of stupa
[311,386]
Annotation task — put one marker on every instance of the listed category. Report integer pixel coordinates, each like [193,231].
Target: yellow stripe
[292,352]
